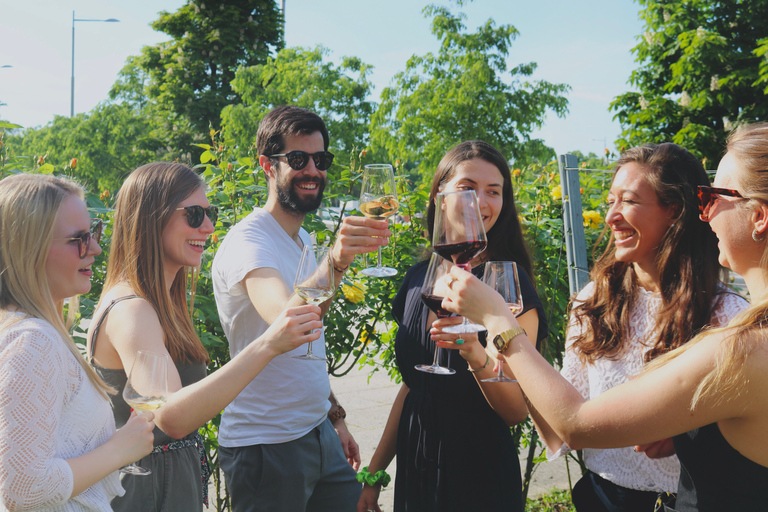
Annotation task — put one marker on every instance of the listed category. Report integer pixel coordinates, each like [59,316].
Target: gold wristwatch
[501,341]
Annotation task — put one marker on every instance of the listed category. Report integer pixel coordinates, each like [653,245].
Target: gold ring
[450,283]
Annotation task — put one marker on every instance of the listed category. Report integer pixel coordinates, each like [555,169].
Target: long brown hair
[145,204]
[689,272]
[29,204]
[748,144]
[505,238]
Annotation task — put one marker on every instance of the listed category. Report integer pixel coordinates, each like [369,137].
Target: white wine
[144,404]
[313,295]
[379,208]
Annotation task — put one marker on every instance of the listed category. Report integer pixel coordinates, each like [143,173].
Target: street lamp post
[72,90]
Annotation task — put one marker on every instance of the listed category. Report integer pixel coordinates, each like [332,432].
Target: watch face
[498,342]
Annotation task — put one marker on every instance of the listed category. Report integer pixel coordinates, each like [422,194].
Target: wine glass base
[379,272]
[310,357]
[435,369]
[464,328]
[498,379]
[135,470]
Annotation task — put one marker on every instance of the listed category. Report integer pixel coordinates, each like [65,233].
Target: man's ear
[266,164]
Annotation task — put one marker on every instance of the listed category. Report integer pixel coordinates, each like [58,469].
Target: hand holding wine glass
[459,236]
[502,277]
[378,200]
[432,292]
[146,390]
[314,283]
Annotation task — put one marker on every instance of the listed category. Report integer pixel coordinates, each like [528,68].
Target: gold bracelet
[487,360]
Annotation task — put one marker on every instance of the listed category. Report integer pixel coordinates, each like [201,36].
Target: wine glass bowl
[314,283]
[378,200]
[146,390]
[459,236]
[502,276]
[432,293]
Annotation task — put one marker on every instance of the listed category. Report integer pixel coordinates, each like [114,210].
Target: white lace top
[49,412]
[623,466]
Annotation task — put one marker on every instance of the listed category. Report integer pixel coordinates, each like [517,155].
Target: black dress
[715,477]
[454,453]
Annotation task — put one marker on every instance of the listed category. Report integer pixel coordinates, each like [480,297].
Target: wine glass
[378,200]
[459,236]
[502,277]
[432,293]
[314,282]
[146,390]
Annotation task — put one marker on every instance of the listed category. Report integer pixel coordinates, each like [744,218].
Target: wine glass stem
[309,348]
[501,368]
[434,358]
[379,264]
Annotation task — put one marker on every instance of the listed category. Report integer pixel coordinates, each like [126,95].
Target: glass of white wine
[378,200]
[146,390]
[502,277]
[314,282]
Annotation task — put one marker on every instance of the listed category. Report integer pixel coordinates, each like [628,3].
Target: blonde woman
[162,221]
[58,445]
[709,393]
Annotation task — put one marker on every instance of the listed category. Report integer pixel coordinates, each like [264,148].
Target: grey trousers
[308,474]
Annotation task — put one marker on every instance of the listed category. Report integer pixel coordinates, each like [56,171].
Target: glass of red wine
[432,293]
[502,277]
[459,236]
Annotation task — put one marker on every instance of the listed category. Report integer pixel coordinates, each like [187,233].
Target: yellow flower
[557,192]
[354,292]
[516,173]
[365,336]
[592,219]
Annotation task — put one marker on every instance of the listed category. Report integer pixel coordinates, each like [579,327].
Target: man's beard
[290,201]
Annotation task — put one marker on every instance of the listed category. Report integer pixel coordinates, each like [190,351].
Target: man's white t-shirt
[290,396]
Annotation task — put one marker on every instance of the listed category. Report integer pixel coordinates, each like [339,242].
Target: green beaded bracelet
[381,477]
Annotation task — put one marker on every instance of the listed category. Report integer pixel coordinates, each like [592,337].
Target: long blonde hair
[748,145]
[145,204]
[29,204]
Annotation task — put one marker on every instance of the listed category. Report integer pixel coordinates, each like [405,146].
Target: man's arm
[351,450]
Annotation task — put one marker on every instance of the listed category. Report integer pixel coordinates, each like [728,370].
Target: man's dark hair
[287,121]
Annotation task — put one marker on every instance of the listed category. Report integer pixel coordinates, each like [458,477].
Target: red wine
[464,251]
[433,302]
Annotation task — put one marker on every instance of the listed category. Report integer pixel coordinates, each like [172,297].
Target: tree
[189,77]
[464,92]
[300,77]
[701,66]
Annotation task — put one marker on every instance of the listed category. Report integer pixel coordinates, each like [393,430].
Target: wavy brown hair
[689,271]
[505,238]
[145,204]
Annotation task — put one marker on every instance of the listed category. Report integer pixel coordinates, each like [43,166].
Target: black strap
[95,334]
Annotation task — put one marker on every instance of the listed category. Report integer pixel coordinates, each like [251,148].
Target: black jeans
[593,493]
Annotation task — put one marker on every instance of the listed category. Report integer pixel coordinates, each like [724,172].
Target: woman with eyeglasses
[708,393]
[162,221]
[58,445]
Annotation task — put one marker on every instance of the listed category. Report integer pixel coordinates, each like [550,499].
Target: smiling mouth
[623,235]
[196,243]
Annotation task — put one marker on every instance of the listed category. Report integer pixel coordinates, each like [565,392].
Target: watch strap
[507,336]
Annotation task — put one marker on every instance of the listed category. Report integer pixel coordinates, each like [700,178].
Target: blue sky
[584,44]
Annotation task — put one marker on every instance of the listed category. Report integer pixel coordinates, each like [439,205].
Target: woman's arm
[385,452]
[134,327]
[653,406]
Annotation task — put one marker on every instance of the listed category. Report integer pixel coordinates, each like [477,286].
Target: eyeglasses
[297,160]
[707,197]
[84,240]
[196,214]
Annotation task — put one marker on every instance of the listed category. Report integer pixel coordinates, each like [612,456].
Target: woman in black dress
[454,452]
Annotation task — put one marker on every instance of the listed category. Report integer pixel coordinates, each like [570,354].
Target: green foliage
[462,93]
[555,501]
[190,76]
[300,77]
[702,71]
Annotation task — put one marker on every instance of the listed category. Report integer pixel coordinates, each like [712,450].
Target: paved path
[368,404]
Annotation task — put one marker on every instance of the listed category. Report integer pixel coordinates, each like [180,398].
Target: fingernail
[459,341]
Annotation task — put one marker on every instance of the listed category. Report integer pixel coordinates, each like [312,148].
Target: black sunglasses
[196,214]
[297,160]
[84,240]
[707,197]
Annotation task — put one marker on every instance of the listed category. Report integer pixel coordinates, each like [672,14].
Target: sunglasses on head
[297,160]
[84,240]
[196,214]
[707,197]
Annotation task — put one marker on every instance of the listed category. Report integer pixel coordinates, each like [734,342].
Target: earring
[756,238]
